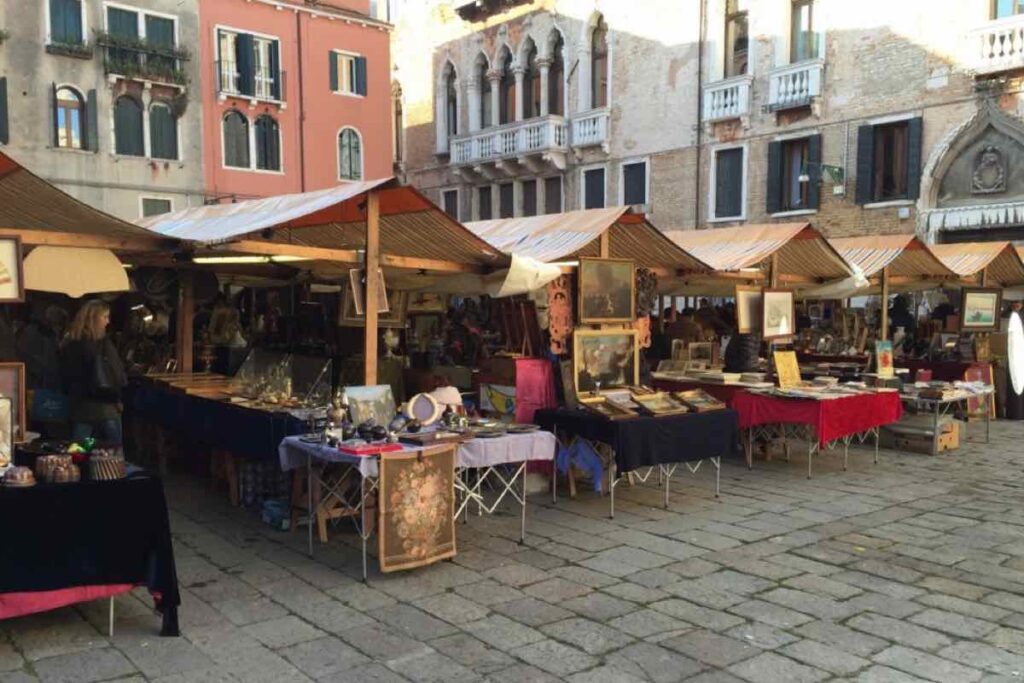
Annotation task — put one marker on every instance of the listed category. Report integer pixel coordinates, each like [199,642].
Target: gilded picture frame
[608,357]
[606,291]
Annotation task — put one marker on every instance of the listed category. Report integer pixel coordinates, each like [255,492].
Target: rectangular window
[154,206]
[1007,8]
[890,154]
[450,201]
[593,188]
[553,194]
[66,22]
[347,73]
[794,163]
[123,25]
[529,197]
[803,41]
[736,38]
[728,183]
[249,65]
[484,209]
[634,183]
[4,126]
[506,200]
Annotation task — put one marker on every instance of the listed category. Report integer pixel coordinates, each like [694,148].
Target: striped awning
[29,203]
[563,236]
[970,259]
[411,226]
[801,250]
[904,255]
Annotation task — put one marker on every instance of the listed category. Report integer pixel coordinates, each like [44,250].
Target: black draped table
[70,543]
[648,442]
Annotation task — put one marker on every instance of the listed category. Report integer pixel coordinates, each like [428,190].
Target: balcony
[997,46]
[267,86]
[138,59]
[591,128]
[795,85]
[530,142]
[728,99]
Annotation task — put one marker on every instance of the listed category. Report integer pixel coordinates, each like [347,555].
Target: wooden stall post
[605,244]
[884,332]
[371,263]
[773,271]
[984,280]
[186,310]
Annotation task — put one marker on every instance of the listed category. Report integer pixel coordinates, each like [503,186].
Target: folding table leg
[718,474]
[522,519]
[110,626]
[810,454]
[611,491]
[362,511]
[668,478]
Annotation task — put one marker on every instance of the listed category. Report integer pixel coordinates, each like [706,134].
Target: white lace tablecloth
[475,453]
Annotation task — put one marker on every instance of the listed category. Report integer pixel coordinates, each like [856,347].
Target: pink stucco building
[295,96]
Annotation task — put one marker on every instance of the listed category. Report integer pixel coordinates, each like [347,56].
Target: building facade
[861,118]
[102,99]
[297,95]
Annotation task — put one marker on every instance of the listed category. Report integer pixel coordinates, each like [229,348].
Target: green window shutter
[275,70]
[914,137]
[273,146]
[163,133]
[332,61]
[128,127]
[361,75]
[92,123]
[54,133]
[865,164]
[775,171]
[122,23]
[160,31]
[814,157]
[66,21]
[236,140]
[244,59]
[4,128]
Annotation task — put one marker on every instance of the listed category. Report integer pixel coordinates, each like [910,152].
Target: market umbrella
[74,271]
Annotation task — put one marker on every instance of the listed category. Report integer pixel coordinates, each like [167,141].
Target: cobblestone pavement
[905,571]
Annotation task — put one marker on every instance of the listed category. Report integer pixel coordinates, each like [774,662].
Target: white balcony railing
[795,85]
[997,46]
[533,136]
[590,128]
[728,99]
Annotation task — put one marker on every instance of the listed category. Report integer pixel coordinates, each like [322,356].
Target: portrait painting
[607,291]
[605,359]
[979,309]
[778,317]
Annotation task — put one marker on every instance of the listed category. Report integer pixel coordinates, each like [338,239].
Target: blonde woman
[93,376]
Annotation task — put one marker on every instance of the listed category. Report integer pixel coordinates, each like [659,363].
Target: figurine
[337,413]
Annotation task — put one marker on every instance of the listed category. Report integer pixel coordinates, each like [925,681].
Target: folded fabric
[581,454]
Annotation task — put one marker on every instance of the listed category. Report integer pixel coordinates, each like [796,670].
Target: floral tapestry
[417,508]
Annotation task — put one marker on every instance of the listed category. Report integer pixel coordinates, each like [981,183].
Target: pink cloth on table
[535,387]
[29,602]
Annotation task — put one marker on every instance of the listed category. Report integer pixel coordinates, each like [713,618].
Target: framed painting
[748,309]
[417,508]
[6,432]
[12,386]
[371,402]
[605,359]
[778,314]
[979,309]
[426,302]
[787,370]
[356,282]
[12,276]
[883,355]
[607,291]
[395,317]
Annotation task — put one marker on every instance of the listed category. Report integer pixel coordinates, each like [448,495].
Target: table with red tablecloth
[832,420]
[942,370]
[723,392]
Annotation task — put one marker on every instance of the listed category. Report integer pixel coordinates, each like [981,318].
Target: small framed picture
[6,432]
[12,386]
[778,318]
[607,291]
[787,370]
[883,356]
[426,302]
[395,316]
[748,309]
[816,311]
[979,309]
[12,280]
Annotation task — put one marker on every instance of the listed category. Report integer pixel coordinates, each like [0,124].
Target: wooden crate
[921,442]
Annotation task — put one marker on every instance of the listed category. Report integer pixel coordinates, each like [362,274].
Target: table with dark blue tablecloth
[646,441]
[87,535]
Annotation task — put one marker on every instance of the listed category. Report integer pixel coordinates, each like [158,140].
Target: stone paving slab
[911,570]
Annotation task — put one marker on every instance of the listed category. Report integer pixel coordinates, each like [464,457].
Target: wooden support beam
[370,299]
[346,256]
[884,332]
[38,238]
[415,263]
[186,310]
[773,270]
[605,244]
[984,278]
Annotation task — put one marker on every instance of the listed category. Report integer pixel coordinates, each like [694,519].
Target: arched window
[350,155]
[507,92]
[128,138]
[163,132]
[268,144]
[70,119]
[236,140]
[599,65]
[485,93]
[556,78]
[451,102]
[531,84]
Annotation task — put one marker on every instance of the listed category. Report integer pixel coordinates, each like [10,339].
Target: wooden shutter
[593,189]
[360,76]
[4,129]
[773,192]
[273,146]
[54,133]
[332,62]
[634,184]
[915,129]
[529,197]
[729,183]
[92,123]
[553,194]
[506,203]
[275,70]
[244,58]
[814,157]
[865,165]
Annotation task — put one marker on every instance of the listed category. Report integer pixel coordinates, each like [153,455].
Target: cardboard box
[913,439]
